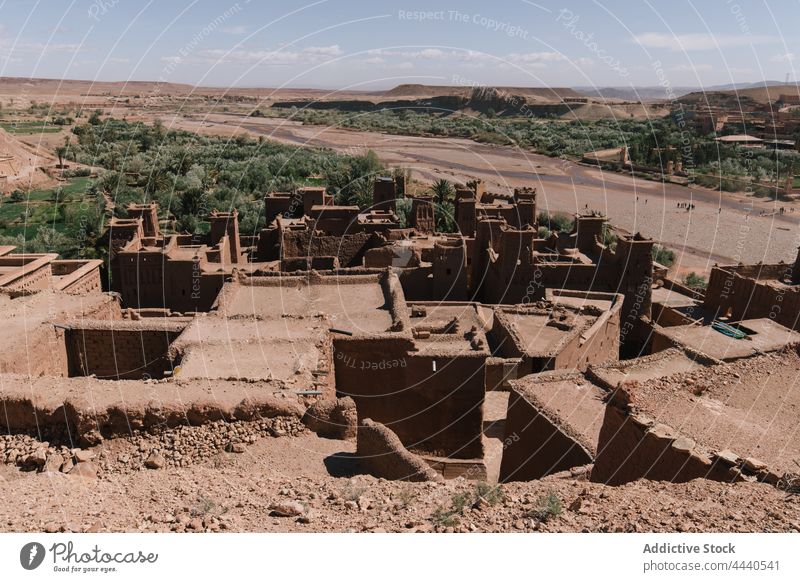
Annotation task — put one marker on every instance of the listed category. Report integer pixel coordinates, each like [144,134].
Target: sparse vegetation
[695,281]
[663,255]
[547,507]
[558,221]
[483,493]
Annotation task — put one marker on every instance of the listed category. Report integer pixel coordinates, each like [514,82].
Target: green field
[29,127]
[45,208]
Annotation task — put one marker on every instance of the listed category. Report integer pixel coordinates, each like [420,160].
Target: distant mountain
[659,93]
[740,86]
[656,93]
[760,92]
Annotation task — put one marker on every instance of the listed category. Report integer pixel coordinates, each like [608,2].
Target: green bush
[663,255]
[695,281]
[559,221]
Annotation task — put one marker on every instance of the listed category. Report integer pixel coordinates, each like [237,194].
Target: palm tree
[443,190]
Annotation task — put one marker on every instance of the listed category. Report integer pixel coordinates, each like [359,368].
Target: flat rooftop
[541,332]
[285,349]
[450,327]
[670,298]
[360,305]
[665,363]
[749,407]
[764,336]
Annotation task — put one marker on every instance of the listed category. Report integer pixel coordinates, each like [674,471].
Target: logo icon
[31,555]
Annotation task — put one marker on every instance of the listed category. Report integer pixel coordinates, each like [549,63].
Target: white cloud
[692,68]
[236,30]
[784,58]
[540,57]
[697,42]
[308,55]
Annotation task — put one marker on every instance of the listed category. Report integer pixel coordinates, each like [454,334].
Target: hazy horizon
[332,44]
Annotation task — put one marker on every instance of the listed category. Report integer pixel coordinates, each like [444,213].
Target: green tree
[442,190]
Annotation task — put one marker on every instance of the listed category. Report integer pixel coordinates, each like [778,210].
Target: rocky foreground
[276,477]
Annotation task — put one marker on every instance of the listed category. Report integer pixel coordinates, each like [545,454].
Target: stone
[83,455]
[67,466]
[769,477]
[37,458]
[662,431]
[728,457]
[753,465]
[53,463]
[335,419]
[287,509]
[641,420]
[683,443]
[155,461]
[236,448]
[87,470]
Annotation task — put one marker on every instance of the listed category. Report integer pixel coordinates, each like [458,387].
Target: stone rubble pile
[173,447]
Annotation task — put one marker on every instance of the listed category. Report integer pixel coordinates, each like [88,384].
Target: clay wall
[499,371]
[437,412]
[450,271]
[268,247]
[150,280]
[284,204]
[534,444]
[633,447]
[120,350]
[747,298]
[417,283]
[349,248]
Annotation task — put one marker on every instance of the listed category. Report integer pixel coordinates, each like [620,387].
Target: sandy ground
[239,492]
[723,227]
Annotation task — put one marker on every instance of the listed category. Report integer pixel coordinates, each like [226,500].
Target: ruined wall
[738,291]
[268,247]
[381,454]
[120,350]
[596,344]
[417,283]
[534,445]
[632,446]
[39,349]
[593,343]
[434,412]
[150,280]
[500,370]
[349,248]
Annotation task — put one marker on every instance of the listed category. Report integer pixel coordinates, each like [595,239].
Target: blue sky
[378,44]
